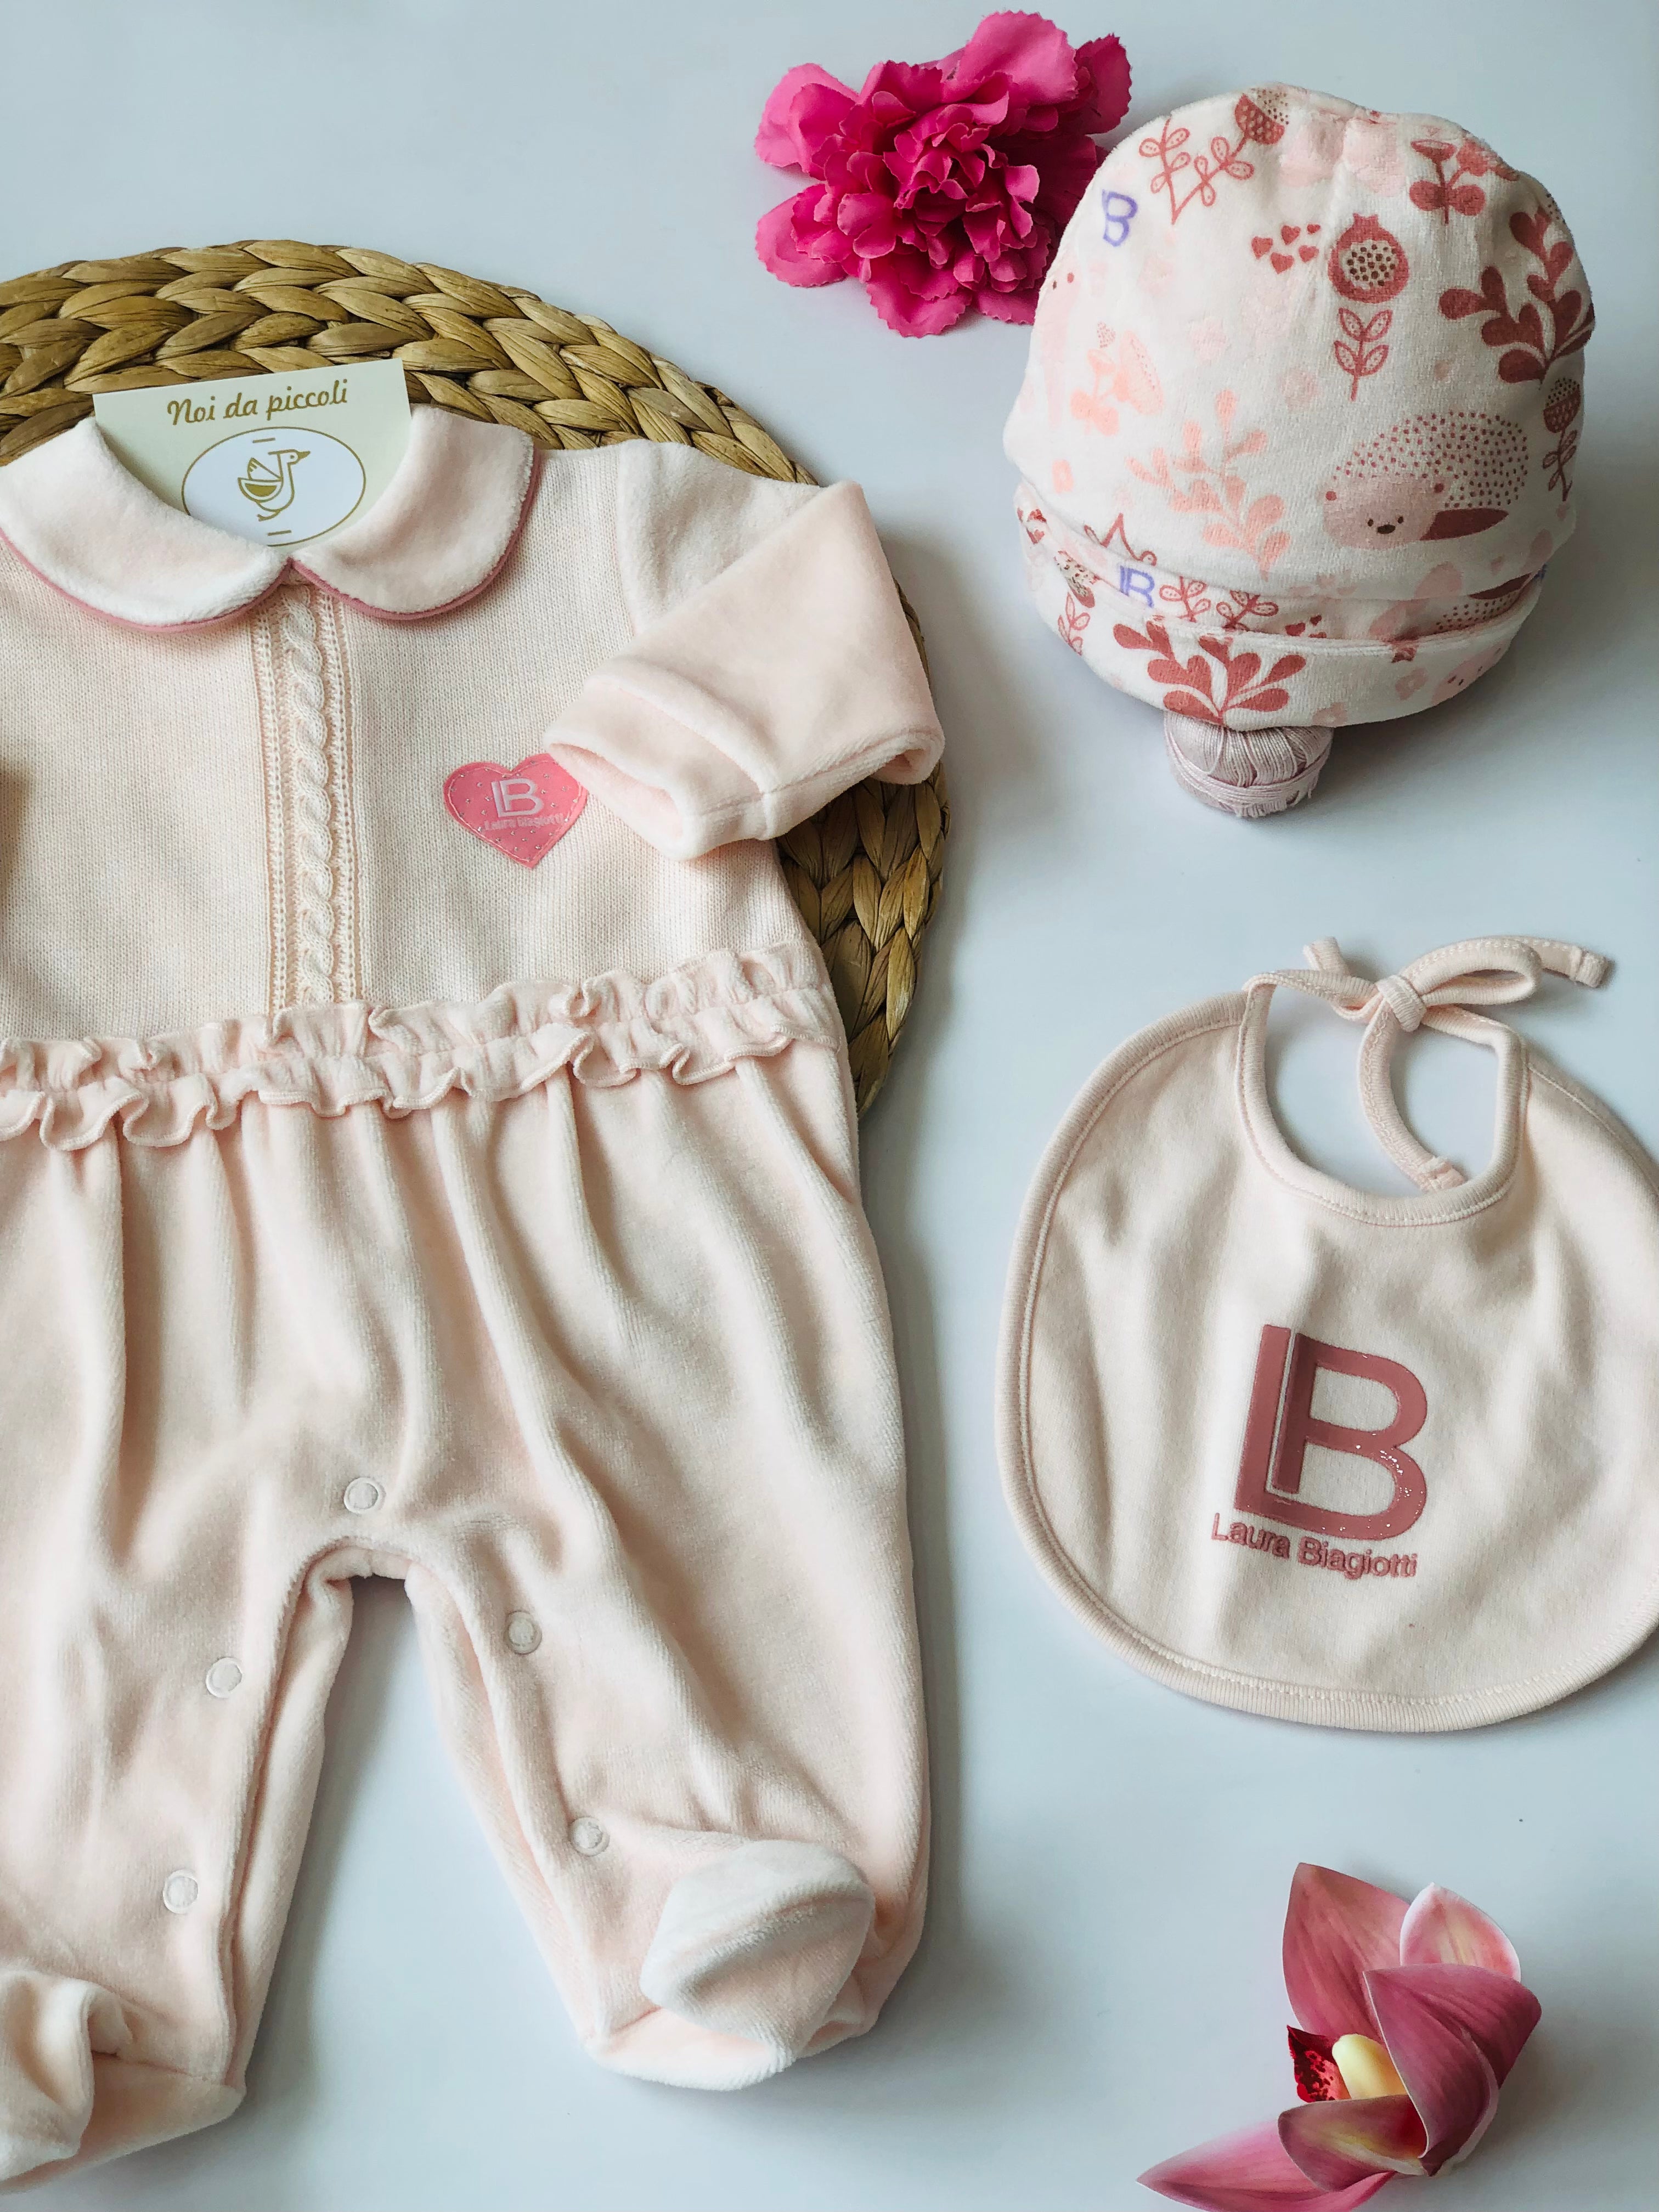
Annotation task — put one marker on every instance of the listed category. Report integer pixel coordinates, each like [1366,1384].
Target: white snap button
[522,1632]
[180,1892]
[363,1496]
[588,1836]
[223,1676]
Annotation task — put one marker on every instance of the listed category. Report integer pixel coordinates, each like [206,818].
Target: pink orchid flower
[941,185]
[1411,2016]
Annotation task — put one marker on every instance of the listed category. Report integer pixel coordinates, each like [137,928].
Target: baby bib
[1376,1461]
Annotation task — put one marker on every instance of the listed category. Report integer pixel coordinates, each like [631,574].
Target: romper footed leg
[165,1655]
[671,1631]
[50,2026]
[68,2090]
[759,1944]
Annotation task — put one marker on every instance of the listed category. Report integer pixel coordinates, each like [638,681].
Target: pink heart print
[522,811]
[1288,232]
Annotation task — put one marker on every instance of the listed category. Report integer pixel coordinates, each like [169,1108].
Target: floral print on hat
[1301,420]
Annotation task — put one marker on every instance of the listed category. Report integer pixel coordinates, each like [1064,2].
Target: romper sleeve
[771,665]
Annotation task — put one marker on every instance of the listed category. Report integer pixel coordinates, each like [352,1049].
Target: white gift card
[280,458]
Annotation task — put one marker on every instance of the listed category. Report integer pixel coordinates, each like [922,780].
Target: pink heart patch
[522,811]
[1260,246]
[1281,262]
[1306,253]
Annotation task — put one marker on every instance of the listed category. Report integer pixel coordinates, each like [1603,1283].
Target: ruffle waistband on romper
[691,1024]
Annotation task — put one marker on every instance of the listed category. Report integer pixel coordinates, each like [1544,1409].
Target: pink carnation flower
[945,184]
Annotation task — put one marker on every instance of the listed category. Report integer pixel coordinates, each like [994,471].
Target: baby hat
[1298,429]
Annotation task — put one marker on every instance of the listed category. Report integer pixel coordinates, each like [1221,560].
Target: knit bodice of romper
[229,867]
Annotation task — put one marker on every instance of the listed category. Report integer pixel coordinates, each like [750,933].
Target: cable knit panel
[313,872]
[301,672]
[694,1023]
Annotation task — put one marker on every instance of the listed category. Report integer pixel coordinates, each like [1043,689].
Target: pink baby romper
[427,1149]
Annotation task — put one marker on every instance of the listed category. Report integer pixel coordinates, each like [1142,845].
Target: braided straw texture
[865,871]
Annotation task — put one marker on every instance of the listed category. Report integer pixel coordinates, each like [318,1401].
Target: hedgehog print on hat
[1299,429]
[1435,475]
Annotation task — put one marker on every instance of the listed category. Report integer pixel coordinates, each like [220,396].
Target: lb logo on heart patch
[522,811]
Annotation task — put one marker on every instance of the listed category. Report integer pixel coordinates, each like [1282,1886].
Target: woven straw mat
[865,871]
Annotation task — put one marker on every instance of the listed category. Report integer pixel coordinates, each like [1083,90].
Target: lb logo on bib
[1366,1457]
[522,811]
[1283,1425]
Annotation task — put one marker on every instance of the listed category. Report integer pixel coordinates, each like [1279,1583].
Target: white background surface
[1098,1986]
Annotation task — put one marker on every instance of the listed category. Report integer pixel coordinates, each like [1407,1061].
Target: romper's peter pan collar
[437,535]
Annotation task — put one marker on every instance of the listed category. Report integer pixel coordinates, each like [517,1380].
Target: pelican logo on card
[247,454]
[1282,1424]
[522,811]
[284,489]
